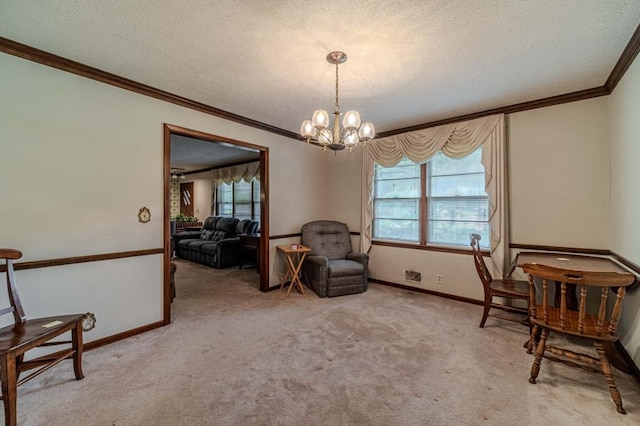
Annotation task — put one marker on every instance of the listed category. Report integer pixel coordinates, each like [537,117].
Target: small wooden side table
[295,254]
[249,243]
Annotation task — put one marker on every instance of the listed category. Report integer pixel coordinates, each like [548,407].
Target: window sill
[430,247]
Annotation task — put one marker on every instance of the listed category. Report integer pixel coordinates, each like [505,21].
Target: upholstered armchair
[332,268]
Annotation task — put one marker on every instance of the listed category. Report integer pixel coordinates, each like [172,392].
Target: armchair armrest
[359,257]
[315,272]
[315,261]
[315,268]
[364,259]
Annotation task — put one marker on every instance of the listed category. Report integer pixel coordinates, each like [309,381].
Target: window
[241,200]
[440,202]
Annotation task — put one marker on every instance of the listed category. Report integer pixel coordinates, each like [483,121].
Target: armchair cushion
[344,268]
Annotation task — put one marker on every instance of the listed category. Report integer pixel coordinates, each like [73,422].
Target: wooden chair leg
[606,369]
[76,342]
[485,314]
[533,339]
[535,368]
[9,379]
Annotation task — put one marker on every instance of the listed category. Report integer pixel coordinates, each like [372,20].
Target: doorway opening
[171,131]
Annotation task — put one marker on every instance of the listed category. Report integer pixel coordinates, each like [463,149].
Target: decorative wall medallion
[89,322]
[144,215]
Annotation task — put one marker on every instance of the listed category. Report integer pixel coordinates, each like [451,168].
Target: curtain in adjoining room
[235,174]
[214,198]
[454,140]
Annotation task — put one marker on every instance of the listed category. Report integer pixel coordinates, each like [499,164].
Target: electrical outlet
[412,276]
[439,279]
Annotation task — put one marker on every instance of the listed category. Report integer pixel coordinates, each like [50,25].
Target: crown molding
[624,62]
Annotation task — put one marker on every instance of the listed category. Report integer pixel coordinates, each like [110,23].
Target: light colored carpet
[235,356]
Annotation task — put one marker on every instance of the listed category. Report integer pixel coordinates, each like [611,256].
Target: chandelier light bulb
[320,119]
[351,139]
[307,130]
[325,137]
[351,120]
[366,132]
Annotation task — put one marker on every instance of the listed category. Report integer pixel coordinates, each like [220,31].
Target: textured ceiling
[410,62]
[191,154]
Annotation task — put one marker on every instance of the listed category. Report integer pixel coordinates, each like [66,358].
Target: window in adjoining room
[439,202]
[240,200]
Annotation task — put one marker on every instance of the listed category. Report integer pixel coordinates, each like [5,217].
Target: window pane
[468,209]
[397,202]
[241,192]
[225,209]
[391,229]
[404,169]
[457,233]
[256,212]
[225,193]
[442,165]
[461,185]
[457,203]
[243,210]
[398,188]
[256,190]
[397,209]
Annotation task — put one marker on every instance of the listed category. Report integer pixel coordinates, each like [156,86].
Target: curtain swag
[456,141]
[235,174]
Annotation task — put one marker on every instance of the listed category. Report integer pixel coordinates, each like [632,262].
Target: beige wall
[625,195]
[559,175]
[78,160]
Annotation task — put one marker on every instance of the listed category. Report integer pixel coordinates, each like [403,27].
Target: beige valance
[454,140]
[235,174]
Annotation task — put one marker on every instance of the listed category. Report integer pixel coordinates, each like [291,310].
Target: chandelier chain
[337,106]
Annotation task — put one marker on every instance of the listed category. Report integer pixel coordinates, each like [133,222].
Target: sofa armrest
[229,242]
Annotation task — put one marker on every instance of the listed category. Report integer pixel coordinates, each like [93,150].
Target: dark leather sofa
[216,243]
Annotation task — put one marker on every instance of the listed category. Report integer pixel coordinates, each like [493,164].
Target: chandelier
[353,132]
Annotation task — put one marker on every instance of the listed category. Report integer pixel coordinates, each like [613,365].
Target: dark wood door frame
[263,252]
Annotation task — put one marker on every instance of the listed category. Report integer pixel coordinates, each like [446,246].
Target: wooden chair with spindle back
[25,335]
[506,289]
[598,326]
